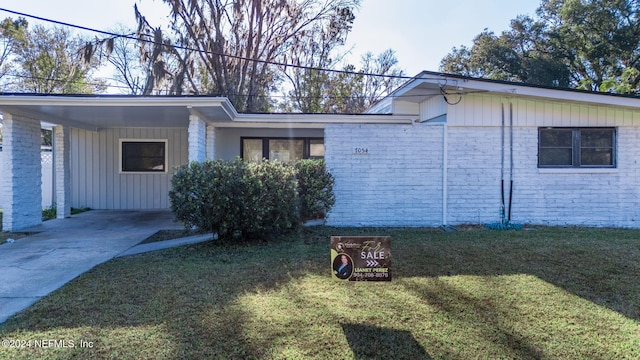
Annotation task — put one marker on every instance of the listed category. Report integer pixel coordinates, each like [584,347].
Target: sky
[421,32]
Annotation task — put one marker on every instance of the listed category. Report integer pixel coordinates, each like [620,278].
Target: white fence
[47,179]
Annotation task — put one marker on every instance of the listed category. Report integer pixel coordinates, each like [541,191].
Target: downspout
[445,171]
[511,159]
[502,204]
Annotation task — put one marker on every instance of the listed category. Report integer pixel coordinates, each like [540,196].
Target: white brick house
[440,150]
[450,166]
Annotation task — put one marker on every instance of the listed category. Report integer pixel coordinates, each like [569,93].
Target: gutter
[325,119]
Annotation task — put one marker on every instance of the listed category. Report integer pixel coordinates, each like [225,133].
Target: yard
[563,293]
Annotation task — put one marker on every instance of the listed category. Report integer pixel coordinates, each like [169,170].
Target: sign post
[361,258]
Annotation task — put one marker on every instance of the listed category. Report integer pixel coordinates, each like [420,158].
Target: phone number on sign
[44,343]
[371,275]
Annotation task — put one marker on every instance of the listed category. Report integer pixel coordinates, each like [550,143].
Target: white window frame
[166,156]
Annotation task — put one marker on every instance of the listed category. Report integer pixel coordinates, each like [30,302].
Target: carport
[22,117]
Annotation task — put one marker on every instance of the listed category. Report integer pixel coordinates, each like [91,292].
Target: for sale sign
[361,258]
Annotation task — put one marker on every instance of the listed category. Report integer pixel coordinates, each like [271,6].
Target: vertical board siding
[406,108]
[432,108]
[485,110]
[95,167]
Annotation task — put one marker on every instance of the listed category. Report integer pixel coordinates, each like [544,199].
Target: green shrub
[315,189]
[236,199]
[201,193]
[275,201]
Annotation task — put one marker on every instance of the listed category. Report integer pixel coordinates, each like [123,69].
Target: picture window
[281,149]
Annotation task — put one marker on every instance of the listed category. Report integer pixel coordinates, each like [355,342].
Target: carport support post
[211,142]
[197,139]
[21,173]
[61,155]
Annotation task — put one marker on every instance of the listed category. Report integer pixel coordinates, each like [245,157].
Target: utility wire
[115,35]
[243,95]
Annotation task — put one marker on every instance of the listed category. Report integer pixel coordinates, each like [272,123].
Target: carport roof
[94,112]
[108,111]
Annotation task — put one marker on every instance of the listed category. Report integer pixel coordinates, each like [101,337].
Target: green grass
[552,293]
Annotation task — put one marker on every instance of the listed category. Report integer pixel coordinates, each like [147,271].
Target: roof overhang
[429,84]
[100,112]
[94,113]
[317,121]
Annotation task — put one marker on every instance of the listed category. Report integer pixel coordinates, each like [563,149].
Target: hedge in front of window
[237,199]
[315,188]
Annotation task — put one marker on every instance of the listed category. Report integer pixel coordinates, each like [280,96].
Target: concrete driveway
[33,267]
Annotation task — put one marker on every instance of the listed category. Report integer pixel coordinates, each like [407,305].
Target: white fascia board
[190,103]
[381,106]
[513,90]
[224,103]
[324,119]
[61,100]
[268,125]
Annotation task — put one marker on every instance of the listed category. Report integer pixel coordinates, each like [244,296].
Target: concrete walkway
[33,267]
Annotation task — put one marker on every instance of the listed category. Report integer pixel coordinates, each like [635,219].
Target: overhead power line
[275,63]
[20,76]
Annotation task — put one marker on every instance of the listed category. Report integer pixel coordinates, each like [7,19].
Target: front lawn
[562,293]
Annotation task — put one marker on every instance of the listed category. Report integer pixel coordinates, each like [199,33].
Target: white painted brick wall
[197,139]
[603,197]
[63,171]
[399,181]
[211,142]
[577,197]
[474,156]
[21,173]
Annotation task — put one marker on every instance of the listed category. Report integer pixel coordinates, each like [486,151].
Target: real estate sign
[361,258]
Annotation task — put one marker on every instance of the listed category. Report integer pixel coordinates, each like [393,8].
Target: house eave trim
[324,119]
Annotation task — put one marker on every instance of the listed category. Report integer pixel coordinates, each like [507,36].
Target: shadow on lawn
[373,342]
[483,316]
[602,266]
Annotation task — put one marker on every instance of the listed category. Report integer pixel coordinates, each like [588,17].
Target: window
[576,147]
[252,150]
[143,155]
[316,148]
[281,149]
[286,150]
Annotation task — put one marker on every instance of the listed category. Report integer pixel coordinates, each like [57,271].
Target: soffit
[97,113]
